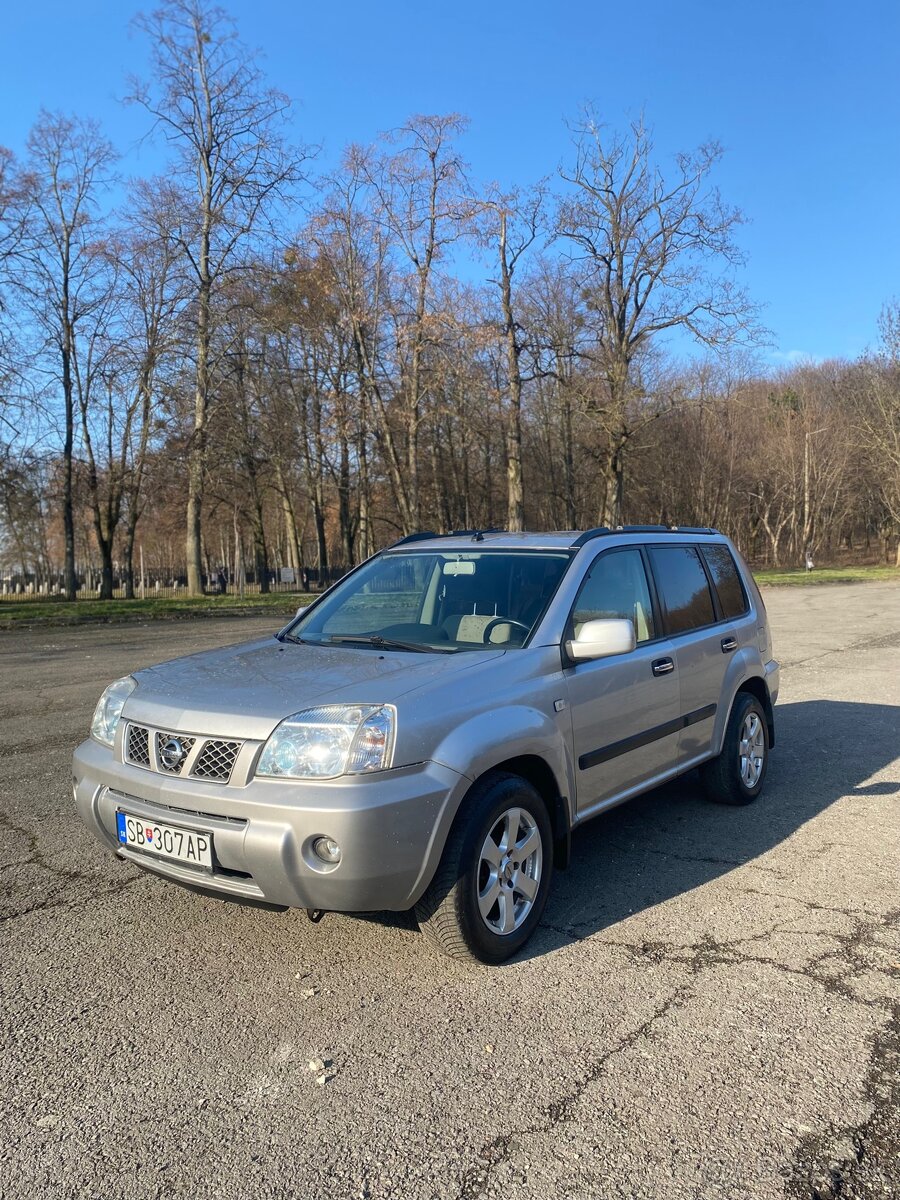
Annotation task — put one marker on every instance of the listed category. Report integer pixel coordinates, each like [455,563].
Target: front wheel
[491,886]
[736,776]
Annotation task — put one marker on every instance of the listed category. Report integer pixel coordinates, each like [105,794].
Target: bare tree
[152,295]
[61,276]
[878,411]
[13,214]
[657,253]
[514,226]
[424,204]
[209,101]
[352,246]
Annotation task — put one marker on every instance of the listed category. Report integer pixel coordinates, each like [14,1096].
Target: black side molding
[594,757]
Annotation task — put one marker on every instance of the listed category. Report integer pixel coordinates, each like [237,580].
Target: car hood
[244,691]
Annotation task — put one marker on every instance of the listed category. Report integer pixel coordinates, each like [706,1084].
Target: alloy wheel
[752,750]
[509,871]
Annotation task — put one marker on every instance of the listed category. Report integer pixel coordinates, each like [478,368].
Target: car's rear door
[703,642]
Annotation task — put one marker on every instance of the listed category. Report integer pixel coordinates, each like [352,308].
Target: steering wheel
[492,625]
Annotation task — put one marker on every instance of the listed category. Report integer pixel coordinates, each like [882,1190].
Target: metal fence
[167,585]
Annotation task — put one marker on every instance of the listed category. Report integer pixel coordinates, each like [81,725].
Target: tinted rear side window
[683,587]
[727,580]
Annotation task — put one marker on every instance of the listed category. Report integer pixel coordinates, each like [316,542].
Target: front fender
[514,731]
[486,741]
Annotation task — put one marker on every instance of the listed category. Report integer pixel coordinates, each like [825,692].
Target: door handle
[662,666]
[728,644]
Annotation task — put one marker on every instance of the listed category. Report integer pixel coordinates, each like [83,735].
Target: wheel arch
[538,772]
[757,687]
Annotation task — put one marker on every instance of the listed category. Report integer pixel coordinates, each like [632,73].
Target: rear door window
[727,580]
[683,587]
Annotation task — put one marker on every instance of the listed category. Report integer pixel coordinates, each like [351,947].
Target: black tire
[722,779]
[448,913]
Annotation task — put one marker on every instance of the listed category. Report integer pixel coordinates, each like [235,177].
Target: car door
[624,708]
[702,644]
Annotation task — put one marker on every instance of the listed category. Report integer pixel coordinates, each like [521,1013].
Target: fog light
[327,849]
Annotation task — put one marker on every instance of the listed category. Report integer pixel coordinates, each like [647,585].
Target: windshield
[444,601]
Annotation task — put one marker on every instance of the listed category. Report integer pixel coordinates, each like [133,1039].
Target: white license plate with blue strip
[165,841]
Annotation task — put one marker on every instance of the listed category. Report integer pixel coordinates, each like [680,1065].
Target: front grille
[216,760]
[137,749]
[172,751]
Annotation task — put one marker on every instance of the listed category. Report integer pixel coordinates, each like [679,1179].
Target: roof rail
[589,535]
[476,535]
[603,531]
[414,537]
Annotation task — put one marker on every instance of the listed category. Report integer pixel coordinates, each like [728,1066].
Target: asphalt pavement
[711,1008]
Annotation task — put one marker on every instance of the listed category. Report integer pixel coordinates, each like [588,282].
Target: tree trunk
[197,454]
[321,540]
[71,582]
[106,567]
[260,550]
[614,486]
[364,526]
[290,534]
[345,517]
[128,562]
[515,498]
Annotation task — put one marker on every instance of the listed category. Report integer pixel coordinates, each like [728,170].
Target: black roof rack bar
[414,537]
[427,534]
[603,531]
[589,535]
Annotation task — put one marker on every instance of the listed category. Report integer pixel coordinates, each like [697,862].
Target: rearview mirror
[463,567]
[602,639]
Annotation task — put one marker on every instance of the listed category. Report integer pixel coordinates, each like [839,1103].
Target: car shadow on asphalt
[673,840]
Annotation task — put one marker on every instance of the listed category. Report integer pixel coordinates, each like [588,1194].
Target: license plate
[166,841]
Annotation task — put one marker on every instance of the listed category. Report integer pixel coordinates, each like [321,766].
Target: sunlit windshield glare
[449,601]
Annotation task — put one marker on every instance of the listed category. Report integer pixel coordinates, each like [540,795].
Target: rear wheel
[736,776]
[490,889]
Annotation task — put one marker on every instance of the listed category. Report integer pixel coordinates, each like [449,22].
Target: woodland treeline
[253,362]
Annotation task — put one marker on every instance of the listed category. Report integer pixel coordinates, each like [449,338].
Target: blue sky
[803,94]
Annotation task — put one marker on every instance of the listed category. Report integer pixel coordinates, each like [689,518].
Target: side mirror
[601,639]
[301,610]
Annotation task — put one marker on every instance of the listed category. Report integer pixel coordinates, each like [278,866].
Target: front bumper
[391,827]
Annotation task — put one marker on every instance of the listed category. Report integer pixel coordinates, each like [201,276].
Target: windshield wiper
[379,642]
[290,637]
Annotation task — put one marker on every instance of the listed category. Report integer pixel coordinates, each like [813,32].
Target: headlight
[336,739]
[109,710]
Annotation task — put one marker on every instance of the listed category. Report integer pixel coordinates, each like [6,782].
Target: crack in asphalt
[698,957]
[854,1163]
[813,904]
[474,1181]
[697,858]
[73,901]
[43,745]
[885,641]
[35,857]
[709,953]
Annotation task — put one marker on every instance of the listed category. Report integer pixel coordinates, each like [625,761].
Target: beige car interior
[617,587]
[470,627]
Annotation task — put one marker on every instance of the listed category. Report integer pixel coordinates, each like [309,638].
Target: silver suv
[429,732]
